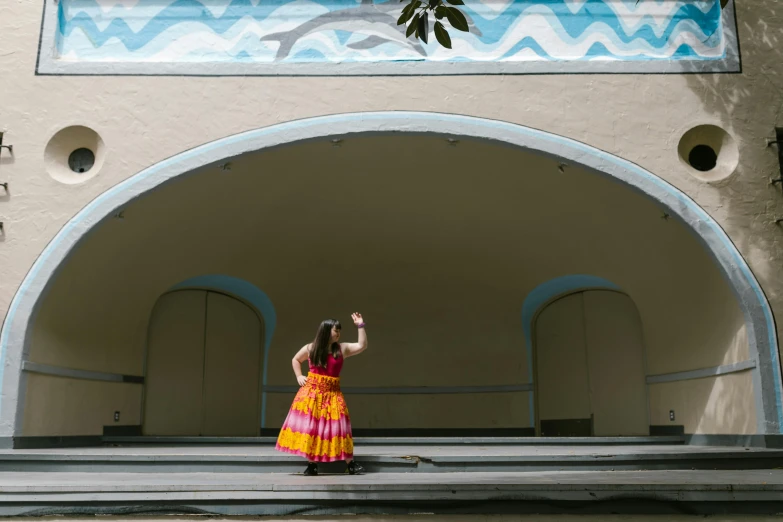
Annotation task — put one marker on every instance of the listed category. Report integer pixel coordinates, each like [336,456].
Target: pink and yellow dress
[318,426]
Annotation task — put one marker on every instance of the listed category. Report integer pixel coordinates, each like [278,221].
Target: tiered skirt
[318,426]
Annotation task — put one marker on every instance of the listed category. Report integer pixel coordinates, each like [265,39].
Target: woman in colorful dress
[318,426]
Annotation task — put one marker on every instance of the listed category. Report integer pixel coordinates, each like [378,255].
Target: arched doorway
[590,368]
[203,367]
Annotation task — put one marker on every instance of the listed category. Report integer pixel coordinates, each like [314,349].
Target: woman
[318,426]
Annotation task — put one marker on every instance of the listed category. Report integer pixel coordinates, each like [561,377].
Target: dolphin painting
[379,21]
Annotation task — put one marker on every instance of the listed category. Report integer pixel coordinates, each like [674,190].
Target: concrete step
[390,459]
[650,492]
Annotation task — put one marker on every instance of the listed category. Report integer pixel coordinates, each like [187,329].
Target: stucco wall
[78,407]
[143,120]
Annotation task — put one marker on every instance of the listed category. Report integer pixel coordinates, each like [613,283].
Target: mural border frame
[48,65]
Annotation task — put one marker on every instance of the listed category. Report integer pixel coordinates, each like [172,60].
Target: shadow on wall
[719,400]
[718,405]
[707,405]
[748,106]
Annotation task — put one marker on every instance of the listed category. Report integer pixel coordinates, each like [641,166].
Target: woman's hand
[351,349]
[302,380]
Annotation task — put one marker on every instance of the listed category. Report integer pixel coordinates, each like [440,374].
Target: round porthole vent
[74,155]
[710,152]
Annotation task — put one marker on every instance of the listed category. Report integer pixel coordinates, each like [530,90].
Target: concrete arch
[759,321]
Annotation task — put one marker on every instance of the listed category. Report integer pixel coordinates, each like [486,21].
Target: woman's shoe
[354,468]
[312,469]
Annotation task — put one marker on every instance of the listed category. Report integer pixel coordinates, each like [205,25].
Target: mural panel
[361,37]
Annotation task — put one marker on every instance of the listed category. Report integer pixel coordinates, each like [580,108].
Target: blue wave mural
[323,31]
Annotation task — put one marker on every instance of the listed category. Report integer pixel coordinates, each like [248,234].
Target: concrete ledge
[165,460]
[600,505]
[391,441]
[429,433]
[250,494]
[75,373]
[129,435]
[748,441]
[701,373]
[72,441]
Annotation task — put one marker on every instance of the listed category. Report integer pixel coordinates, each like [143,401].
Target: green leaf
[412,6]
[406,15]
[457,19]
[456,2]
[433,4]
[424,28]
[442,35]
[413,25]
[401,19]
[440,12]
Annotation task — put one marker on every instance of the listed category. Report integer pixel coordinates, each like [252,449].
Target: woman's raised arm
[350,349]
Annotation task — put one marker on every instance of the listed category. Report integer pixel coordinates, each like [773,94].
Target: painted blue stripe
[577,25]
[403,118]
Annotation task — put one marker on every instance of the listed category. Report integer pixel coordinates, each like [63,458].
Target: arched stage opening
[443,230]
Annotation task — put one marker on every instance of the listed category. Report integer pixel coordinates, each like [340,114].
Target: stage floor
[402,479]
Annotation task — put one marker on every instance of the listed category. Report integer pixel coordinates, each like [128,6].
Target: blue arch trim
[762,335]
[256,298]
[539,297]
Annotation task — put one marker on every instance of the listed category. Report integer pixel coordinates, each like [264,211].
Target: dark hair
[320,349]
